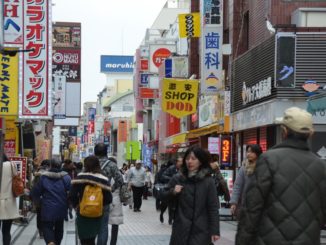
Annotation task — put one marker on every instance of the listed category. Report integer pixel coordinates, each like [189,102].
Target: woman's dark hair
[170,162]
[202,155]
[92,165]
[255,149]
[46,163]
[55,163]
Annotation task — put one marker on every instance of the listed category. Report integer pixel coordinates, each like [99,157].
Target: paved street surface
[142,228]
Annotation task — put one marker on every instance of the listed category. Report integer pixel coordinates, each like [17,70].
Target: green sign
[133,150]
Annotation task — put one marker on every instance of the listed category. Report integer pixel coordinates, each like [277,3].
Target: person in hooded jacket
[193,190]
[52,189]
[8,205]
[89,228]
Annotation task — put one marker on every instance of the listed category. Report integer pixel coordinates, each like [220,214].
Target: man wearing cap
[136,182]
[286,198]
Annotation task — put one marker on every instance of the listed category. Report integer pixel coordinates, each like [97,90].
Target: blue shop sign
[117,64]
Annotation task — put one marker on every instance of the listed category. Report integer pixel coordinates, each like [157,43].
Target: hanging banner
[43,149]
[35,97]
[60,97]
[147,155]
[189,25]
[13,22]
[132,150]
[9,85]
[10,137]
[212,75]
[179,97]
[122,131]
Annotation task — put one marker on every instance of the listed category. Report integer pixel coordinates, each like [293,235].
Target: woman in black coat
[194,192]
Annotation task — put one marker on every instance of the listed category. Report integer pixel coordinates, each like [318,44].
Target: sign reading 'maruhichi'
[179,97]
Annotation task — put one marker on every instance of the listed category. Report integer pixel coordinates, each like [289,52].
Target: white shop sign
[258,91]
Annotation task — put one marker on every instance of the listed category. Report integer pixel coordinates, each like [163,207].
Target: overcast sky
[109,27]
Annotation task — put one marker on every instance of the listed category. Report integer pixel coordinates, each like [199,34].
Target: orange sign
[122,131]
[148,93]
[160,55]
[226,151]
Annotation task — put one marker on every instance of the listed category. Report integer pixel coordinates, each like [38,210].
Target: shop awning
[317,103]
[212,128]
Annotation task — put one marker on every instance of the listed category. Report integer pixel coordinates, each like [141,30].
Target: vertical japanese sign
[212,41]
[10,137]
[8,85]
[13,22]
[35,97]
[226,147]
[147,155]
[60,97]
[179,97]
[285,60]
[189,25]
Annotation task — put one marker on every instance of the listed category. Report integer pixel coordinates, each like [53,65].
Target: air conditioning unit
[309,17]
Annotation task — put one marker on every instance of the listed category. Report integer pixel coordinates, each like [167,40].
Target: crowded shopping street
[163,122]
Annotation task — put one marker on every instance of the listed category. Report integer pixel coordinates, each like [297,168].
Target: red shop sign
[160,55]
[144,65]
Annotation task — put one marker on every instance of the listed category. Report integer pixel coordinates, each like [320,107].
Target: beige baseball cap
[297,119]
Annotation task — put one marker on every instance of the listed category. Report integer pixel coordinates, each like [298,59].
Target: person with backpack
[90,193]
[45,165]
[52,189]
[8,205]
[110,170]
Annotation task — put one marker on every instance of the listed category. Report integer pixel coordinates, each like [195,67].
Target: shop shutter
[263,138]
[250,137]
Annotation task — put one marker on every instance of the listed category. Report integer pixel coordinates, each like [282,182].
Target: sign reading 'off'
[179,97]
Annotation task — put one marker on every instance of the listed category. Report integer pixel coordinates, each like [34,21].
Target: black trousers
[137,195]
[38,219]
[114,234]
[6,227]
[53,231]
[89,241]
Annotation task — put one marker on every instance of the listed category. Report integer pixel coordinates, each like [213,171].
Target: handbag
[124,193]
[17,182]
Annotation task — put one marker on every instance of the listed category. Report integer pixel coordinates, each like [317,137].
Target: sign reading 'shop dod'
[179,97]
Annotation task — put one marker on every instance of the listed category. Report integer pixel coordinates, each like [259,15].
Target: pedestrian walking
[285,199]
[158,185]
[110,170]
[136,183]
[194,191]
[70,168]
[173,169]
[8,205]
[52,190]
[220,183]
[245,171]
[148,182]
[44,166]
[89,227]
[115,214]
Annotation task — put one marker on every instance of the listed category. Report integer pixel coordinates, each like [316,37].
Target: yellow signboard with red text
[179,96]
[8,85]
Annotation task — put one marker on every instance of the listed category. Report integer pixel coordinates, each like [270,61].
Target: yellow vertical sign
[8,85]
[189,25]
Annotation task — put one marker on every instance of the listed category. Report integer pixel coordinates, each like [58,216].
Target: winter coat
[89,227]
[285,200]
[116,213]
[8,205]
[196,216]
[221,185]
[52,191]
[168,174]
[111,170]
[239,187]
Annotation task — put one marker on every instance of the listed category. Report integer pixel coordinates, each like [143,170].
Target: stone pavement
[142,228]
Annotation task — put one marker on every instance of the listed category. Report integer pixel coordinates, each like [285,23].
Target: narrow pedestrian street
[142,228]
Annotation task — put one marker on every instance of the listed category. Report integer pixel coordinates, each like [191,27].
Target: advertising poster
[67,35]
[208,110]
[35,100]
[21,166]
[211,50]
[147,155]
[42,149]
[214,145]
[189,25]
[13,14]
[91,114]
[9,85]
[60,97]
[66,62]
[179,97]
[10,137]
